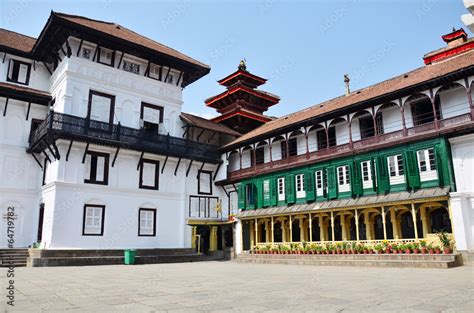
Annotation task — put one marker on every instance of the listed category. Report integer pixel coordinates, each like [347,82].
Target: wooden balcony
[76,128]
[420,132]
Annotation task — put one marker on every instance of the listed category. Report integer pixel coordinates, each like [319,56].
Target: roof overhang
[24,94]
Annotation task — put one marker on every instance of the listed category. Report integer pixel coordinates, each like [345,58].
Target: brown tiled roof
[417,76]
[447,48]
[23,93]
[19,88]
[124,33]
[16,41]
[207,124]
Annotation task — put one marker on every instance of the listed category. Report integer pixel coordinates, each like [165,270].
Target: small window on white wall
[299,180]
[281,189]
[147,222]
[106,56]
[149,174]
[93,223]
[101,107]
[131,67]
[19,72]
[205,182]
[96,168]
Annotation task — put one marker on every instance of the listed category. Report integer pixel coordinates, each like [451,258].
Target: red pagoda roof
[269,99]
[241,75]
[245,113]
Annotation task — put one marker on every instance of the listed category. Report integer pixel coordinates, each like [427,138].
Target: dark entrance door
[204,232]
[40,223]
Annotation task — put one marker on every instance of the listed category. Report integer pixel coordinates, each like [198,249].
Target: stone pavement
[234,287]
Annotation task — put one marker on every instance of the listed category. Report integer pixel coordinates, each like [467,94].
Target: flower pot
[431,251]
[333,252]
[407,251]
[447,250]
[394,251]
[371,251]
[438,251]
[366,251]
[416,251]
[387,251]
[424,250]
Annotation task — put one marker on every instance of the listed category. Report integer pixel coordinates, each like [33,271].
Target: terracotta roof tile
[16,41]
[397,83]
[124,33]
[207,124]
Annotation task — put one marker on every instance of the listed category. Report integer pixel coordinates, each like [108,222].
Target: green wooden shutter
[373,165]
[383,178]
[412,176]
[356,179]
[332,182]
[290,188]
[241,193]
[440,154]
[309,186]
[273,191]
[258,193]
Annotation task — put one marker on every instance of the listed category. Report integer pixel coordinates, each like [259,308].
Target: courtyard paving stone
[237,287]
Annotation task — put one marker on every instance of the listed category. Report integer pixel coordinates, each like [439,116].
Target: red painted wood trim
[253,92]
[449,53]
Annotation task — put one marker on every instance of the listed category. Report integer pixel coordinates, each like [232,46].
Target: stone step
[421,261]
[36,253]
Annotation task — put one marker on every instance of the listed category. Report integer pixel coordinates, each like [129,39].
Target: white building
[94,150]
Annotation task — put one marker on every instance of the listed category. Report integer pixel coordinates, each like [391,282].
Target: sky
[303,48]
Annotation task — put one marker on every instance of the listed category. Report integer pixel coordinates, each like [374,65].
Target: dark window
[422,111]
[93,221]
[19,72]
[101,109]
[260,155]
[39,235]
[97,168]
[45,166]
[131,67]
[147,222]
[292,147]
[366,126]
[205,182]
[149,174]
[332,136]
[379,123]
[152,116]
[284,152]
[321,139]
[249,194]
[106,56]
[34,125]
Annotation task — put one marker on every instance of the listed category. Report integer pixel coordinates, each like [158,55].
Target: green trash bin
[129,256]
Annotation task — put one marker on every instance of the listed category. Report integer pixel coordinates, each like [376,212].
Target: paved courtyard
[234,287]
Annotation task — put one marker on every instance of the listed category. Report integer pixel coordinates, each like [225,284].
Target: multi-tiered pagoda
[242,105]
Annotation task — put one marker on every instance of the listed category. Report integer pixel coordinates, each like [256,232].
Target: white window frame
[266,190]
[343,172]
[299,186]
[319,182]
[93,223]
[394,170]
[146,225]
[367,181]
[430,171]
[281,188]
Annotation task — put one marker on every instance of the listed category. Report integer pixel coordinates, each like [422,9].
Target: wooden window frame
[154,222]
[112,64]
[396,164]
[282,180]
[428,164]
[157,175]
[106,168]
[28,73]
[102,219]
[199,182]
[112,106]
[151,106]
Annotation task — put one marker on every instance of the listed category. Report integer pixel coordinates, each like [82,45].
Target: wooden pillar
[424,221]
[413,213]
[287,147]
[368,233]
[240,158]
[327,137]
[270,145]
[375,124]
[254,153]
[267,232]
[384,224]
[310,225]
[193,236]
[256,231]
[357,224]
[433,100]
[213,239]
[350,132]
[322,229]
[283,231]
[273,231]
[343,227]
[302,230]
[332,225]
[393,219]
[291,229]
[402,111]
[252,234]
[307,144]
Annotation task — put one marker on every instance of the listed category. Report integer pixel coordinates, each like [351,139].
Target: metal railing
[58,125]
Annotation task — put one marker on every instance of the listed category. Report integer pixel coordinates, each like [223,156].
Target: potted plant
[408,247]
[423,246]
[437,249]
[378,248]
[394,248]
[430,248]
[416,247]
[353,248]
[446,242]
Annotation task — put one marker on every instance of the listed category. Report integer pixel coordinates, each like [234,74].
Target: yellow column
[283,231]
[302,230]
[291,229]
[213,239]
[322,232]
[357,224]
[343,226]
[424,221]
[332,226]
[273,232]
[310,225]
[252,234]
[393,219]
[368,233]
[413,213]
[256,231]
[267,232]
[193,236]
[384,224]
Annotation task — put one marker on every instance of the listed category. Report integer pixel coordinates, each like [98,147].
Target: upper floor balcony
[417,117]
[64,126]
